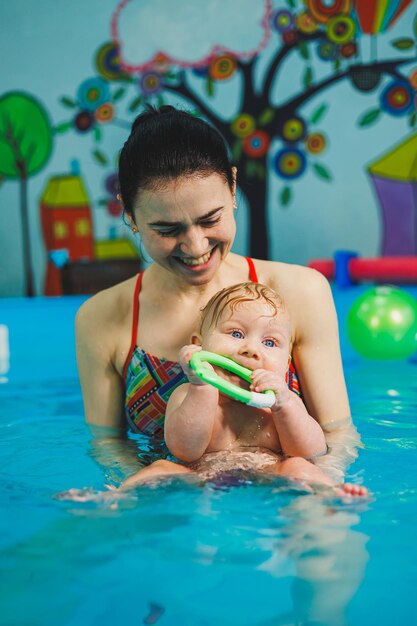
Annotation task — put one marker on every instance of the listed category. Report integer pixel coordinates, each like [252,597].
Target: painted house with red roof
[66,225]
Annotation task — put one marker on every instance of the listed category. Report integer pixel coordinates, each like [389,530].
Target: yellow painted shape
[115,249]
[400,163]
[65,191]
[60,230]
[381,9]
[82,227]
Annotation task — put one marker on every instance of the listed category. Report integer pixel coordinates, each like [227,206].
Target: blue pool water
[258,554]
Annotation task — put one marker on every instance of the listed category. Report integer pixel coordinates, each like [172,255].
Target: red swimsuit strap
[135,322]
[253,276]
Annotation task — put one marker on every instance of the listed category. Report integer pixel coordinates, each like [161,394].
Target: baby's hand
[184,357]
[265,379]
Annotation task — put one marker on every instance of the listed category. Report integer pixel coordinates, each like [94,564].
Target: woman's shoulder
[291,278]
[108,308]
[307,295]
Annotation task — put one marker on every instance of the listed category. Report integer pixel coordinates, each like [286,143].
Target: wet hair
[165,144]
[235,296]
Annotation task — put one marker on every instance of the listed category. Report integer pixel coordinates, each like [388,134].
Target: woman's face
[187,225]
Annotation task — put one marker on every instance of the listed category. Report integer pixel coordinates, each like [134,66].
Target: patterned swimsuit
[150,380]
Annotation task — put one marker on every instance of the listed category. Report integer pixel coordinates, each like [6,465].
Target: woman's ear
[196,339]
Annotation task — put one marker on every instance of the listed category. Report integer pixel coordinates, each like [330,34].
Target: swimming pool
[259,554]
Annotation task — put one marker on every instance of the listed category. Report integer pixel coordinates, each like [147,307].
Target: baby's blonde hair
[236,295]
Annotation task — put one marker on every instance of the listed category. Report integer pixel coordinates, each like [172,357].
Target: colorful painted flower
[160,63]
[150,83]
[323,10]
[348,50]
[340,29]
[293,129]
[305,23]
[223,67]
[243,125]
[413,79]
[315,143]
[256,145]
[290,37]
[104,113]
[92,93]
[290,163]
[108,62]
[114,207]
[112,184]
[327,51]
[282,20]
[398,98]
[83,121]
[201,71]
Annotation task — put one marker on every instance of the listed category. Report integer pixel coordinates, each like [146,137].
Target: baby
[211,432]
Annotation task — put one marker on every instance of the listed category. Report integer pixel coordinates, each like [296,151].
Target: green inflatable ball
[382,324]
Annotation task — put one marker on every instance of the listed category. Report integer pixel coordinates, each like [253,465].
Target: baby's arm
[299,433]
[190,414]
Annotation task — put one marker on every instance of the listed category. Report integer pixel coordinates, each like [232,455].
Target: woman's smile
[198,264]
[194,262]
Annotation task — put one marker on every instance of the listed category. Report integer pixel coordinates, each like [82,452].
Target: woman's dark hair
[167,143]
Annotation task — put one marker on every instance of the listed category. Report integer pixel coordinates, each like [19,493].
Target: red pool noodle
[397,269]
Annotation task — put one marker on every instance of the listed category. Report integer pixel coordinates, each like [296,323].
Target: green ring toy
[262,400]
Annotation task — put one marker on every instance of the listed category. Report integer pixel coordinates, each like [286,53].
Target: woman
[179,193]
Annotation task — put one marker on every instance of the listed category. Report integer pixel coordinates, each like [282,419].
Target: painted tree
[25,147]
[263,131]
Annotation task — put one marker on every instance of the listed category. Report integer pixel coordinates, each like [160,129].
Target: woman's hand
[262,380]
[184,357]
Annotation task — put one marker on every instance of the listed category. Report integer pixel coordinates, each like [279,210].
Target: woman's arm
[316,352]
[115,453]
[318,362]
[103,395]
[102,386]
[316,356]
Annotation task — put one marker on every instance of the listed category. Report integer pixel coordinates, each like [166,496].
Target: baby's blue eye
[237,334]
[269,343]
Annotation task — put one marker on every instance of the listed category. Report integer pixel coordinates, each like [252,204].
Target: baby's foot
[349,489]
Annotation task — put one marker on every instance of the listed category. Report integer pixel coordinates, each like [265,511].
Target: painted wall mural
[244,49]
[394,176]
[25,147]
[263,132]
[66,225]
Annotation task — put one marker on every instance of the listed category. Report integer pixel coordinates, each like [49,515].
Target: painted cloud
[188,33]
